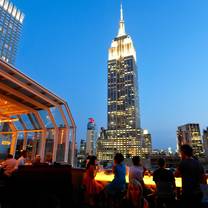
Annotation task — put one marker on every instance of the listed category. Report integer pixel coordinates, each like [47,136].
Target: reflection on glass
[46,119]
[49,143]
[57,116]
[61,145]
[66,115]
[19,146]
[18,125]
[33,144]
[4,127]
[5,142]
[26,121]
[34,121]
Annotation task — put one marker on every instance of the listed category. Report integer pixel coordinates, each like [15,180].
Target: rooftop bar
[34,119]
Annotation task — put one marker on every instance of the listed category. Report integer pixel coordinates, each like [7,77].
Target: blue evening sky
[64,47]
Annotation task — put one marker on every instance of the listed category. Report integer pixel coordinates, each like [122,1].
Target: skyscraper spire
[121,31]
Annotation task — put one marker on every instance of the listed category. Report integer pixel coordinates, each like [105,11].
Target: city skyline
[170,37]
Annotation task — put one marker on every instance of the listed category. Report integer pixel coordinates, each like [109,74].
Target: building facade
[205,141]
[146,143]
[190,134]
[81,157]
[11,20]
[91,137]
[123,132]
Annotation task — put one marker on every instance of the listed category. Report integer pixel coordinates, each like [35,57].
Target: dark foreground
[53,186]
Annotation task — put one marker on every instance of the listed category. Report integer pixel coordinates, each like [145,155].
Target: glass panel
[19,146]
[61,145]
[49,143]
[46,119]
[33,144]
[34,121]
[5,142]
[57,116]
[4,127]
[70,145]
[26,121]
[67,115]
[18,125]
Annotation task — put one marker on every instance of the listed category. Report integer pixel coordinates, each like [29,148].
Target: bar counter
[106,176]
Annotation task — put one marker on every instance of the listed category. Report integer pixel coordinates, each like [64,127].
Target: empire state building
[124,131]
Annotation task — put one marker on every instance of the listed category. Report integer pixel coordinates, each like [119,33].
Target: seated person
[22,158]
[118,184]
[165,185]
[9,165]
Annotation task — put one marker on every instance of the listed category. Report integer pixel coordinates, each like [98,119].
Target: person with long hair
[92,187]
[136,184]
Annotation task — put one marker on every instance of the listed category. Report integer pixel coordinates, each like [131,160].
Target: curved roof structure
[26,106]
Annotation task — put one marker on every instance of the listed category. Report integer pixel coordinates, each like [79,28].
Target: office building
[91,137]
[205,141]
[81,157]
[146,143]
[11,20]
[190,134]
[123,131]
[103,149]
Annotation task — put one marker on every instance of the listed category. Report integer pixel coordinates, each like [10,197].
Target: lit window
[10,8]
[18,15]
[14,11]
[6,4]
[22,18]
[1,2]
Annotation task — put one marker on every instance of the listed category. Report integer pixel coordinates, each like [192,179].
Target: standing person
[137,170]
[136,183]
[165,185]
[22,158]
[92,187]
[36,160]
[192,174]
[9,165]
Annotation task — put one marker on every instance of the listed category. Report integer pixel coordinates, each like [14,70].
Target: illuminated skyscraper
[11,20]
[205,141]
[190,134]
[81,157]
[91,137]
[146,143]
[123,103]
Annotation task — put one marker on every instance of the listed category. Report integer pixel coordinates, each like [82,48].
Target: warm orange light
[9,120]
[5,142]
[148,180]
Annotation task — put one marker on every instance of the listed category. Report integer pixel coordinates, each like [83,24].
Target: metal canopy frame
[20,95]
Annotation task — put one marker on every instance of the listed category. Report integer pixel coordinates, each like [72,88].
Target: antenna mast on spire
[121,31]
[121,12]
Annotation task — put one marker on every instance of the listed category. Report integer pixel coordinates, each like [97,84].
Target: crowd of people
[136,194]
[10,164]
